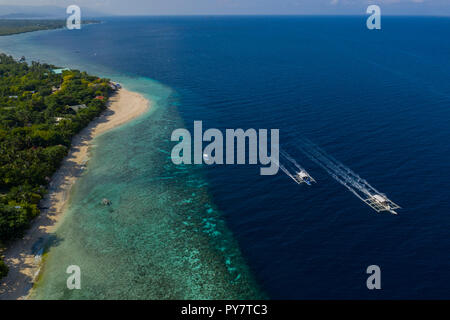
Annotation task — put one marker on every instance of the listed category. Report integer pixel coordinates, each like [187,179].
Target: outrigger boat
[303,177]
[379,202]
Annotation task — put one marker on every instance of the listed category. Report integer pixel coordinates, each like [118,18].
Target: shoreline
[62,27]
[23,256]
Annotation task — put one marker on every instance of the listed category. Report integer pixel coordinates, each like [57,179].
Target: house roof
[59,71]
[78,107]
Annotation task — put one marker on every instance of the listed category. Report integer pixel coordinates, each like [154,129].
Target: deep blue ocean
[376,100]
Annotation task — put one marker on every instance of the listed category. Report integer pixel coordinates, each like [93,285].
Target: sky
[298,7]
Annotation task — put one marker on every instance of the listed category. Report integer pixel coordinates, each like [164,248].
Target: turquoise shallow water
[162,237]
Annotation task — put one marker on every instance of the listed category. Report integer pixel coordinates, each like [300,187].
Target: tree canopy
[36,129]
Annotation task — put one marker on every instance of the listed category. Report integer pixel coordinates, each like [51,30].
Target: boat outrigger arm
[303,177]
[379,202]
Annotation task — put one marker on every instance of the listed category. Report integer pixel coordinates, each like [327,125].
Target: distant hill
[42,12]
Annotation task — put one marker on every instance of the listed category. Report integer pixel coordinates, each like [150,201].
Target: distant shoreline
[10,27]
[22,256]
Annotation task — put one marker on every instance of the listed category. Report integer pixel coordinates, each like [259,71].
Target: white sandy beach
[21,257]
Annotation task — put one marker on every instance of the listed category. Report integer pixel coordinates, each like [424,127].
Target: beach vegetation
[37,124]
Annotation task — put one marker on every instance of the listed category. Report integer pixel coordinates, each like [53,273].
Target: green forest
[13,26]
[37,123]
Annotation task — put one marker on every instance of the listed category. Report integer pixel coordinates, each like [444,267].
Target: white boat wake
[293,170]
[349,179]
